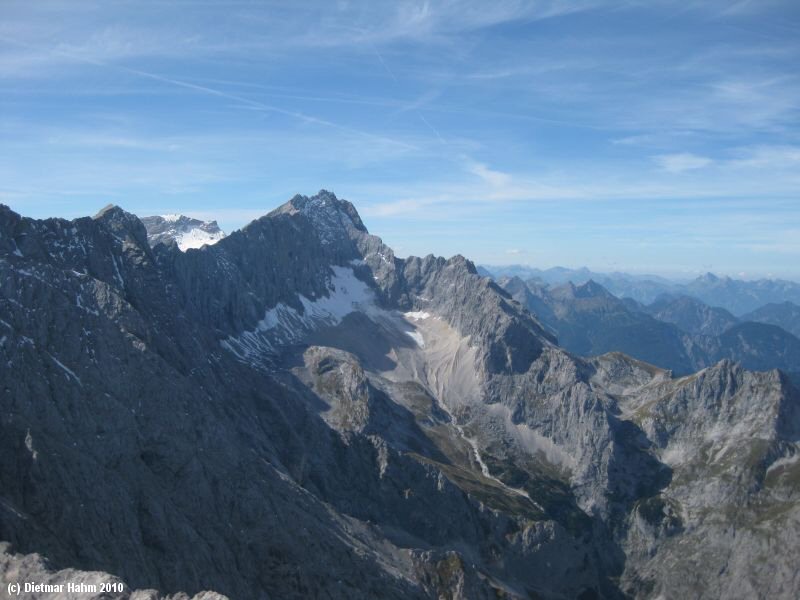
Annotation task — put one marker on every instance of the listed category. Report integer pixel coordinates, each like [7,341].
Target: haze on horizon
[658,137]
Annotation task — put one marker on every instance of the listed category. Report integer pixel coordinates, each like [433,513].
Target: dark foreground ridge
[295,412]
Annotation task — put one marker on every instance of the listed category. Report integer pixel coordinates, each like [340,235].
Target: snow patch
[417,337]
[284,325]
[784,462]
[677,453]
[197,238]
[417,315]
[68,372]
[117,273]
[79,304]
[29,445]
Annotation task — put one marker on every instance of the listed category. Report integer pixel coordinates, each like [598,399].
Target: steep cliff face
[730,438]
[295,412]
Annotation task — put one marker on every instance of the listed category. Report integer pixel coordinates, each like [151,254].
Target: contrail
[431,127]
[213,92]
[385,66]
[414,108]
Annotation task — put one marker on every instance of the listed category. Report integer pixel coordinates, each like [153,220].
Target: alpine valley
[295,412]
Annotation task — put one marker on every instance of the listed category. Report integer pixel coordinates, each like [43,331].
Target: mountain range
[679,333]
[737,296]
[784,314]
[296,412]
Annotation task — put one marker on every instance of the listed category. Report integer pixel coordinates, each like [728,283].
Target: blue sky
[644,136]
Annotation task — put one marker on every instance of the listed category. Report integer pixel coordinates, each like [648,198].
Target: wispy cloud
[244,101]
[449,114]
[494,178]
[678,163]
[768,157]
[378,24]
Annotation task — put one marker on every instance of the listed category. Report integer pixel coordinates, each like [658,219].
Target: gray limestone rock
[184,231]
[295,412]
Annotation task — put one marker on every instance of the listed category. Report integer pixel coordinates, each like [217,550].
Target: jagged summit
[117,217]
[331,216]
[123,225]
[461,260]
[184,231]
[108,210]
[708,277]
[592,289]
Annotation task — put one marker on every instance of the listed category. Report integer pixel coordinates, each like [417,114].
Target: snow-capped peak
[185,231]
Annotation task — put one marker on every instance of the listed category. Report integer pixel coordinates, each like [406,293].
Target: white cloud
[774,157]
[490,176]
[376,23]
[684,161]
[404,206]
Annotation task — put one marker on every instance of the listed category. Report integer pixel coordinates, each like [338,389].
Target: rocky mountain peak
[332,218]
[708,278]
[109,210]
[123,224]
[9,221]
[565,290]
[184,231]
[460,261]
[591,289]
[512,285]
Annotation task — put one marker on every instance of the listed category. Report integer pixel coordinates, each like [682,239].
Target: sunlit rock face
[184,231]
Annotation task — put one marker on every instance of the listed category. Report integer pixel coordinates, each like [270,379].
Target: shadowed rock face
[785,315]
[690,315]
[295,412]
